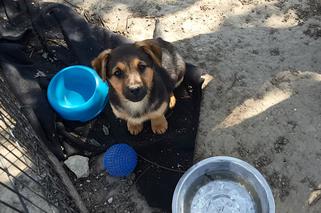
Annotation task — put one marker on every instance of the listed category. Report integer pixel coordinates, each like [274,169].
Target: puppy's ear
[99,63]
[152,48]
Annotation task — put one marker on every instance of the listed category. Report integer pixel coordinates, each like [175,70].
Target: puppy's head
[129,68]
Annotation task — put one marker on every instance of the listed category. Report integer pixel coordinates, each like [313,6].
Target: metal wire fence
[28,180]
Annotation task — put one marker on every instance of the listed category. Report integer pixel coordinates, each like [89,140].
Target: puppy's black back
[172,61]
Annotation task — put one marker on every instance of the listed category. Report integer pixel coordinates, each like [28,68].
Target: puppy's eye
[118,73]
[142,67]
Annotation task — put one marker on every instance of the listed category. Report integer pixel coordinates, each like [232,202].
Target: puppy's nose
[135,91]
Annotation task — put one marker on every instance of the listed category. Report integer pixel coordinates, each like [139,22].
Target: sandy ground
[264,104]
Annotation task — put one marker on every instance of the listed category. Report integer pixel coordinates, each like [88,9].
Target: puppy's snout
[135,91]
[135,94]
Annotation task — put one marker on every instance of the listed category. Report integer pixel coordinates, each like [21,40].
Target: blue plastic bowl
[77,93]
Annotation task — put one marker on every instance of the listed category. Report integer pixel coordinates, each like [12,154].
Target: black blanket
[37,41]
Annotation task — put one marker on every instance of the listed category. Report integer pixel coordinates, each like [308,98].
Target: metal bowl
[222,184]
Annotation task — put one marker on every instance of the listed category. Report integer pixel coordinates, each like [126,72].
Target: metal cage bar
[28,181]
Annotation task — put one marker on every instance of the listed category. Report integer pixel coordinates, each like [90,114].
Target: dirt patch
[243,151]
[314,31]
[102,193]
[280,143]
[280,184]
[310,8]
[262,161]
[275,52]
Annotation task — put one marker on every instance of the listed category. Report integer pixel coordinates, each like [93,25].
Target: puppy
[142,77]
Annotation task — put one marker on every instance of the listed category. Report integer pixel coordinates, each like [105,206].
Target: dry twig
[160,166]
[315,195]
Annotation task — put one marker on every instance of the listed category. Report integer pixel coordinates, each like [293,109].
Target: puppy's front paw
[134,129]
[159,125]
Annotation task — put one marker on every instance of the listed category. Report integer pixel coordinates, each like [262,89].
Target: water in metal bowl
[221,192]
[222,185]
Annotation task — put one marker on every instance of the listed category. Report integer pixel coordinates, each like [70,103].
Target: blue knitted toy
[120,160]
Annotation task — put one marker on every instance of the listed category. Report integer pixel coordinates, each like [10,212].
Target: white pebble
[78,165]
[110,200]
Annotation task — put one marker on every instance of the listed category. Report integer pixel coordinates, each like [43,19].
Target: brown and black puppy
[142,77]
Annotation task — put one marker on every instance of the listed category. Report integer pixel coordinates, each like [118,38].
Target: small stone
[39,74]
[110,200]
[78,165]
[45,55]
[94,142]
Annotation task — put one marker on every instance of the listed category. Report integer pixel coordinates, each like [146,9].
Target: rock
[45,55]
[78,165]
[39,74]
[110,200]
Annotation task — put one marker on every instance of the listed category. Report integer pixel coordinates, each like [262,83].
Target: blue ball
[120,160]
